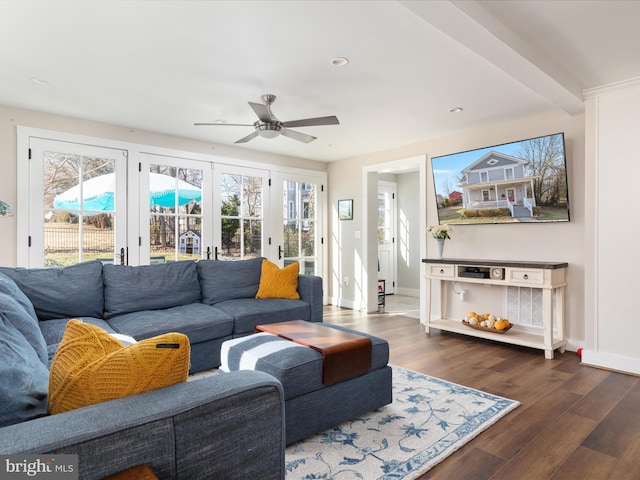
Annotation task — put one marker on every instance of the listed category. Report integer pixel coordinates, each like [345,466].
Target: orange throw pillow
[90,366]
[279,282]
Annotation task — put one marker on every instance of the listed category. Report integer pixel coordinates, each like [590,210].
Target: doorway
[412,246]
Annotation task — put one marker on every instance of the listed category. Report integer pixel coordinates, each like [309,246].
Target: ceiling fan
[268,126]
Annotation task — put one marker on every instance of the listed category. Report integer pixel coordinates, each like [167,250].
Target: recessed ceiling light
[39,81]
[220,121]
[455,110]
[339,61]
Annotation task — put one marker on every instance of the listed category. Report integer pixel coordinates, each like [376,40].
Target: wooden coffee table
[344,354]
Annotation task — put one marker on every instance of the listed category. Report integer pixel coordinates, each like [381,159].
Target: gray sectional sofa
[222,426]
[210,301]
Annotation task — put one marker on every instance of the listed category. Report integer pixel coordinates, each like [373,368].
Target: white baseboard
[343,303]
[574,345]
[608,361]
[410,292]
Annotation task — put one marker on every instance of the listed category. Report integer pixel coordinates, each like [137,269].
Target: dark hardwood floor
[574,422]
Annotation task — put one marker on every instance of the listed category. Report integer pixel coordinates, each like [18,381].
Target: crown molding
[612,87]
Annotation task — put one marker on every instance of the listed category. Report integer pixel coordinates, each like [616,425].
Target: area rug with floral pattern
[428,420]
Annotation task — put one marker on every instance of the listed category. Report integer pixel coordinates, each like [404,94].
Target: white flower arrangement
[440,232]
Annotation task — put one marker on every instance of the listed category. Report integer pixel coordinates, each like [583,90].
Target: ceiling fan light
[268,130]
[268,133]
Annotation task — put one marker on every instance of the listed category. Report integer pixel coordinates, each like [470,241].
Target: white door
[299,237]
[77,203]
[387,234]
[241,212]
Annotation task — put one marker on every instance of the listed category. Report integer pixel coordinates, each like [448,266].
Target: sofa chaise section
[221,426]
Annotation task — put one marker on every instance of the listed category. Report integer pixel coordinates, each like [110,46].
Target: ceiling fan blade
[312,122]
[262,111]
[301,137]
[225,124]
[248,137]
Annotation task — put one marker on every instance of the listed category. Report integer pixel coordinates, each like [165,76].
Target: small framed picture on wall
[345,209]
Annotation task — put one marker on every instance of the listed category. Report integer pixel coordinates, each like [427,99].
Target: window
[175,217]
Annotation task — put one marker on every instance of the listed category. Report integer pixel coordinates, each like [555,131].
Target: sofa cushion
[25,323]
[91,366]
[249,312]
[149,287]
[276,282]
[74,291]
[197,321]
[23,389]
[229,279]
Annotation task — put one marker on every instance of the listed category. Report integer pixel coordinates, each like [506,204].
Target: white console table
[549,277]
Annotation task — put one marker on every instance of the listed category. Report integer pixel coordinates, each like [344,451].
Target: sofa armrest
[310,291]
[229,425]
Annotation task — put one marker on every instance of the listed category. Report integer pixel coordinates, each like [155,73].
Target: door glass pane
[79,208]
[384,219]
[175,221]
[300,225]
[241,216]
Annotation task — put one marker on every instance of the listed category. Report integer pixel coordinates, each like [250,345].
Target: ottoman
[312,406]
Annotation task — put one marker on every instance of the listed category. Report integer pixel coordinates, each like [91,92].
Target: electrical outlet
[463,295]
[346,281]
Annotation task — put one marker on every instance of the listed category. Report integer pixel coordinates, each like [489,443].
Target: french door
[301,227]
[131,204]
[77,203]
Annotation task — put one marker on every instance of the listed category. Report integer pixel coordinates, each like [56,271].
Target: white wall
[613,257]
[10,118]
[561,242]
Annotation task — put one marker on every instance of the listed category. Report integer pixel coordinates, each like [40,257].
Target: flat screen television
[517,182]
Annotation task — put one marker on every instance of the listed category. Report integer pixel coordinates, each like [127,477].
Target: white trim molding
[609,361]
[612,87]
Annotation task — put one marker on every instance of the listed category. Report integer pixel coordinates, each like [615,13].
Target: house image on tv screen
[498,180]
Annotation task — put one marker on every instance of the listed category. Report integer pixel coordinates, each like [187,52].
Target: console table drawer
[525,275]
[442,271]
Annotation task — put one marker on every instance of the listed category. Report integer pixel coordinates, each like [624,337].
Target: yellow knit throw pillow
[278,283]
[90,366]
